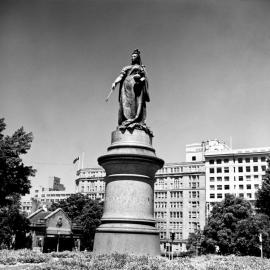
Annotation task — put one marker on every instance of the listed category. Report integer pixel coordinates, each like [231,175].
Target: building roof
[39,216]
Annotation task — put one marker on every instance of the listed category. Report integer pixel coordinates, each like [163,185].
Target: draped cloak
[133,94]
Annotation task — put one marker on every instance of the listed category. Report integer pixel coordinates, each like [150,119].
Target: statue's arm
[116,81]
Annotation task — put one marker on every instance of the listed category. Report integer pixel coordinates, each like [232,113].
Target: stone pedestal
[128,224]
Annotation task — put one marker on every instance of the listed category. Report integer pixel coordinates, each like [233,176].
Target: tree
[263,194]
[221,229]
[15,182]
[14,174]
[85,212]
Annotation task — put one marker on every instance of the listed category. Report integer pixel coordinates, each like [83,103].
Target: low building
[53,231]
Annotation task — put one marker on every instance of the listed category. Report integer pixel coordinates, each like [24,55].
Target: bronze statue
[133,94]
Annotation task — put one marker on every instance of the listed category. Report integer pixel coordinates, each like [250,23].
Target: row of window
[92,188]
[178,235]
[173,214]
[239,160]
[235,178]
[227,187]
[174,225]
[179,169]
[239,169]
[221,196]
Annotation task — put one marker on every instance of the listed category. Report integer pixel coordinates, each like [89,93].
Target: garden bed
[30,260]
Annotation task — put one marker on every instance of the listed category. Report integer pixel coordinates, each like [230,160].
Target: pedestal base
[131,243]
[127,224]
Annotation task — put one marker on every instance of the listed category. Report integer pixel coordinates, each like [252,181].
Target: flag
[76,159]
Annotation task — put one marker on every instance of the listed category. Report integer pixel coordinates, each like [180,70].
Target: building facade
[185,192]
[44,196]
[179,203]
[178,186]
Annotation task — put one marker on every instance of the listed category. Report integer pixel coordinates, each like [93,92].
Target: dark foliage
[85,212]
[14,176]
[263,194]
[233,228]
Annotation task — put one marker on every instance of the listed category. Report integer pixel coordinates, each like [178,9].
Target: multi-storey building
[44,196]
[237,172]
[90,181]
[184,192]
[54,183]
[178,186]
[179,202]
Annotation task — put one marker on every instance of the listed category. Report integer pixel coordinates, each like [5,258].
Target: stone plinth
[128,224]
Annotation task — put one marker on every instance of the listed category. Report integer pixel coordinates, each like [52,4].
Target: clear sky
[208,64]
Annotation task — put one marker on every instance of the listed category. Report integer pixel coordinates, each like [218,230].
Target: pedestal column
[127,224]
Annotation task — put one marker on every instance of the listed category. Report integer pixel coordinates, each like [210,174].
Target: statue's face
[134,58]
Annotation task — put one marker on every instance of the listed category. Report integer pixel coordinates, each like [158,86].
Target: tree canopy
[15,182]
[14,174]
[85,212]
[232,228]
[263,194]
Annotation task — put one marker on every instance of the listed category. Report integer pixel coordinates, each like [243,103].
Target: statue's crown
[136,52]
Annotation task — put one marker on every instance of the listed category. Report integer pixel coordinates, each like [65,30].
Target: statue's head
[136,57]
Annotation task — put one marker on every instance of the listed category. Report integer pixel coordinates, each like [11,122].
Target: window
[219,187]
[219,195]
[247,169]
[241,187]
[263,159]
[240,178]
[255,159]
[212,179]
[256,186]
[212,170]
[248,177]
[227,187]
[256,176]
[249,195]
[212,196]
[226,160]
[241,195]
[219,170]
[219,178]
[226,169]
[255,168]
[193,158]
[240,160]
[211,161]
[263,168]
[240,169]
[219,161]
[212,187]
[248,186]
[226,178]
[247,160]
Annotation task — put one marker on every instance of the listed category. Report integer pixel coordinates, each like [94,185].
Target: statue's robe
[133,94]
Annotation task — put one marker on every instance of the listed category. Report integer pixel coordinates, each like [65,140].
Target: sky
[207,62]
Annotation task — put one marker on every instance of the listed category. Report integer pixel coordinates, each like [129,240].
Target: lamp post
[261,246]
[172,239]
[57,247]
[198,238]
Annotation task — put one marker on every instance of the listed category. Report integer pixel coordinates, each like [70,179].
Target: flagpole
[79,163]
[82,159]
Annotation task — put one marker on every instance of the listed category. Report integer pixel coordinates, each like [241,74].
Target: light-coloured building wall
[179,202]
[237,172]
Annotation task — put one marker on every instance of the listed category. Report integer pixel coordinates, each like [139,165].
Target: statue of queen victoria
[133,95]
